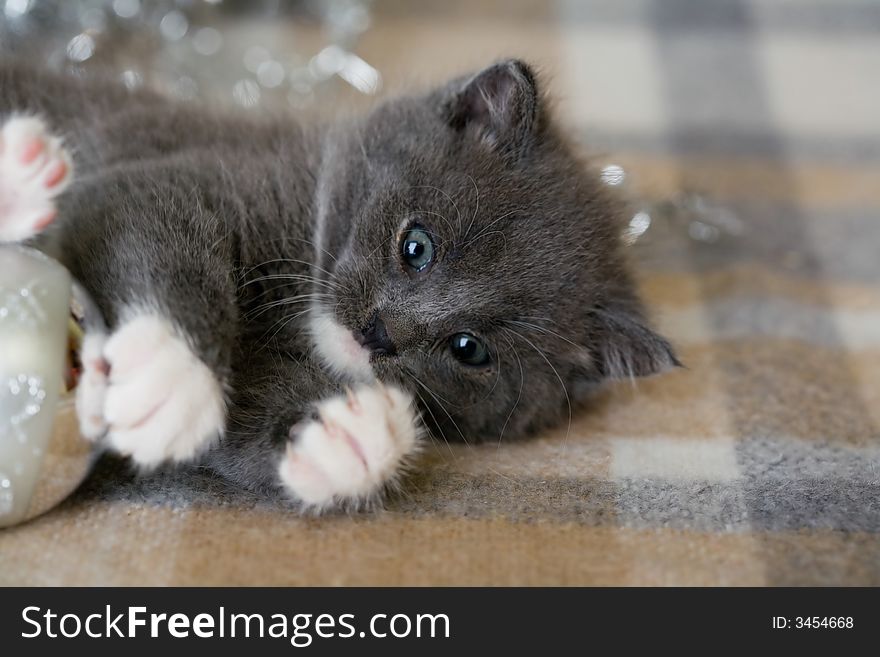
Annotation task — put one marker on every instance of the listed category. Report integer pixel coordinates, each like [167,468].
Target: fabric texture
[748,131]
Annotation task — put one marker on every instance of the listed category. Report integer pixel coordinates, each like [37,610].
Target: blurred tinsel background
[293,55]
[251,53]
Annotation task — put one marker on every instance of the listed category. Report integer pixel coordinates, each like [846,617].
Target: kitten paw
[34,169]
[357,447]
[149,393]
[92,387]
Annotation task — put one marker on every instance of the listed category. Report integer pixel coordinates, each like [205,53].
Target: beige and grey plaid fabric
[750,132]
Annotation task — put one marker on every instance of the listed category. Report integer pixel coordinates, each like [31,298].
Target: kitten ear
[499,105]
[626,346]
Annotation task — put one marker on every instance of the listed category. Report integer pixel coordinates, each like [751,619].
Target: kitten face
[474,261]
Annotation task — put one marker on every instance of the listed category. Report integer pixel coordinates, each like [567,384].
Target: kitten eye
[417,248]
[468,349]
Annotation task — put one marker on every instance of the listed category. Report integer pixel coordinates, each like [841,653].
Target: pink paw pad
[31,150]
[56,173]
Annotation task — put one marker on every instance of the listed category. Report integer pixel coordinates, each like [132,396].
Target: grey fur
[208,218]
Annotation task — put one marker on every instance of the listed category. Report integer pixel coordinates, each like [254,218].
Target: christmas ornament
[43,458]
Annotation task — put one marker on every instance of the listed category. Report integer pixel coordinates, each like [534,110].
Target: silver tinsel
[259,53]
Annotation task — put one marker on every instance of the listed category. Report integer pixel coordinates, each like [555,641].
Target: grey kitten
[290,304]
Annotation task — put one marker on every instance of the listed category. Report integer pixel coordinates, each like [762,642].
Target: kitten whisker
[292,277]
[442,407]
[446,194]
[280,287]
[437,214]
[427,407]
[263,308]
[542,330]
[311,265]
[379,246]
[286,320]
[495,221]
[296,239]
[476,208]
[494,385]
[522,381]
[561,382]
[484,234]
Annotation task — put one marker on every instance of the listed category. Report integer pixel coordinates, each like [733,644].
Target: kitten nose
[375,338]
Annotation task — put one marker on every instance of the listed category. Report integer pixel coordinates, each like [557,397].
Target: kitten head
[469,256]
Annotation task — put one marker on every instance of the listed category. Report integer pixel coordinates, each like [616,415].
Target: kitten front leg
[358,446]
[158,267]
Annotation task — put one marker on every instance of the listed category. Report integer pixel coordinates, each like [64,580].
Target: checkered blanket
[748,130]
